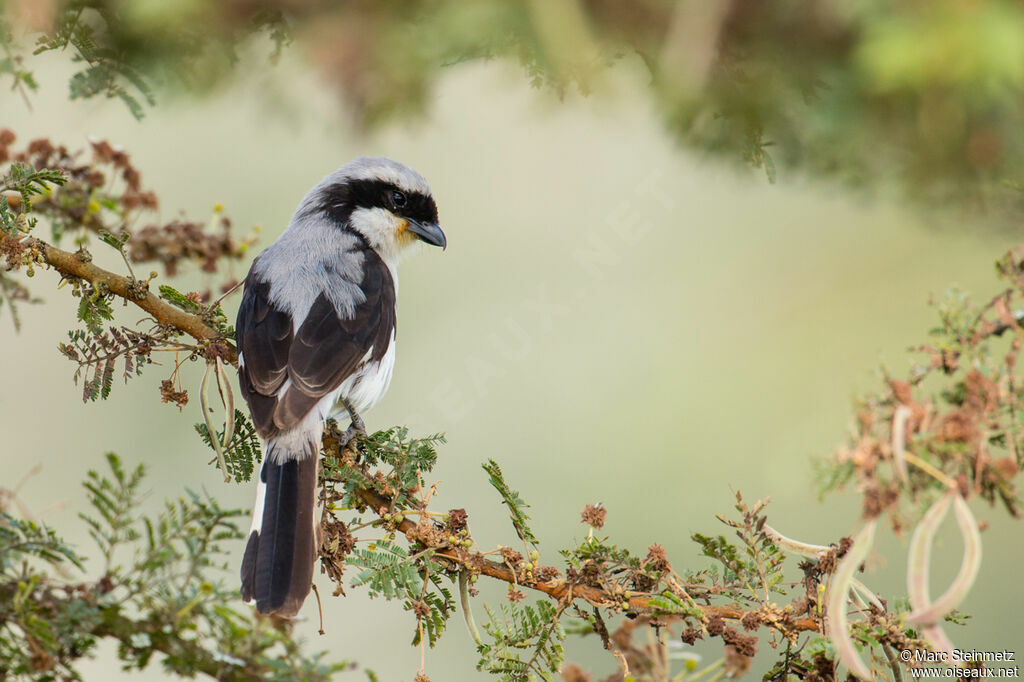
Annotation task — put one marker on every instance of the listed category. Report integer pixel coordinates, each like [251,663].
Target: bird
[316,340]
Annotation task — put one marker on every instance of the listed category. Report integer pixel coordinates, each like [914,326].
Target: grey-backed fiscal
[316,340]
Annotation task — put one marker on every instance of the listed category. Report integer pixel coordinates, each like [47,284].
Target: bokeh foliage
[162,591]
[923,96]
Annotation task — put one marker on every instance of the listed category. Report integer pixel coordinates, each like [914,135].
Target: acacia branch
[559,589]
[80,266]
[72,265]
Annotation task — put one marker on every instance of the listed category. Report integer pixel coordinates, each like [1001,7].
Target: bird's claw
[356,428]
[350,434]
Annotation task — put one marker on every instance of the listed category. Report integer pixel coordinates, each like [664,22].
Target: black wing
[324,351]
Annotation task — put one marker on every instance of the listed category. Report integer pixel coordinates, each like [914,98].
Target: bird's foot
[351,433]
[356,428]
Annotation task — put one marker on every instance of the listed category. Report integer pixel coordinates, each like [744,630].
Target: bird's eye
[398,199]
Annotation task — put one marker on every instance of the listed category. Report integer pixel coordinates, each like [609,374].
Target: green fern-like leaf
[668,604]
[21,539]
[516,505]
[94,310]
[243,454]
[106,74]
[387,571]
[527,642]
[28,182]
[8,218]
[180,300]
[441,608]
[214,316]
[114,500]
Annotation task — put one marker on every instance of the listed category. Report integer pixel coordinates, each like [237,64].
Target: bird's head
[386,202]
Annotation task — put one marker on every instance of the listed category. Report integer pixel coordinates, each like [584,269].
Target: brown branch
[558,589]
[73,265]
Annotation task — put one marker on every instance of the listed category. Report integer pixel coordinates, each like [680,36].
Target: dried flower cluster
[102,198]
[955,419]
[102,193]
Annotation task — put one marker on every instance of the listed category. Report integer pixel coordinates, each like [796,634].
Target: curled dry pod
[836,620]
[204,404]
[815,552]
[795,546]
[929,613]
[227,397]
[919,557]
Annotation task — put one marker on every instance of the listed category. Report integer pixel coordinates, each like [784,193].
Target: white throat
[380,228]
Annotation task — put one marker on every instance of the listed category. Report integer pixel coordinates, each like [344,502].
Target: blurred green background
[616,319]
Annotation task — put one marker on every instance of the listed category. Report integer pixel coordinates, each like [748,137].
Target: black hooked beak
[428,232]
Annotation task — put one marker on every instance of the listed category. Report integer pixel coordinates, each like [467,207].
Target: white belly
[365,388]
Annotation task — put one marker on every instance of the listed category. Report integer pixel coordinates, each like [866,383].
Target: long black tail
[277,568]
